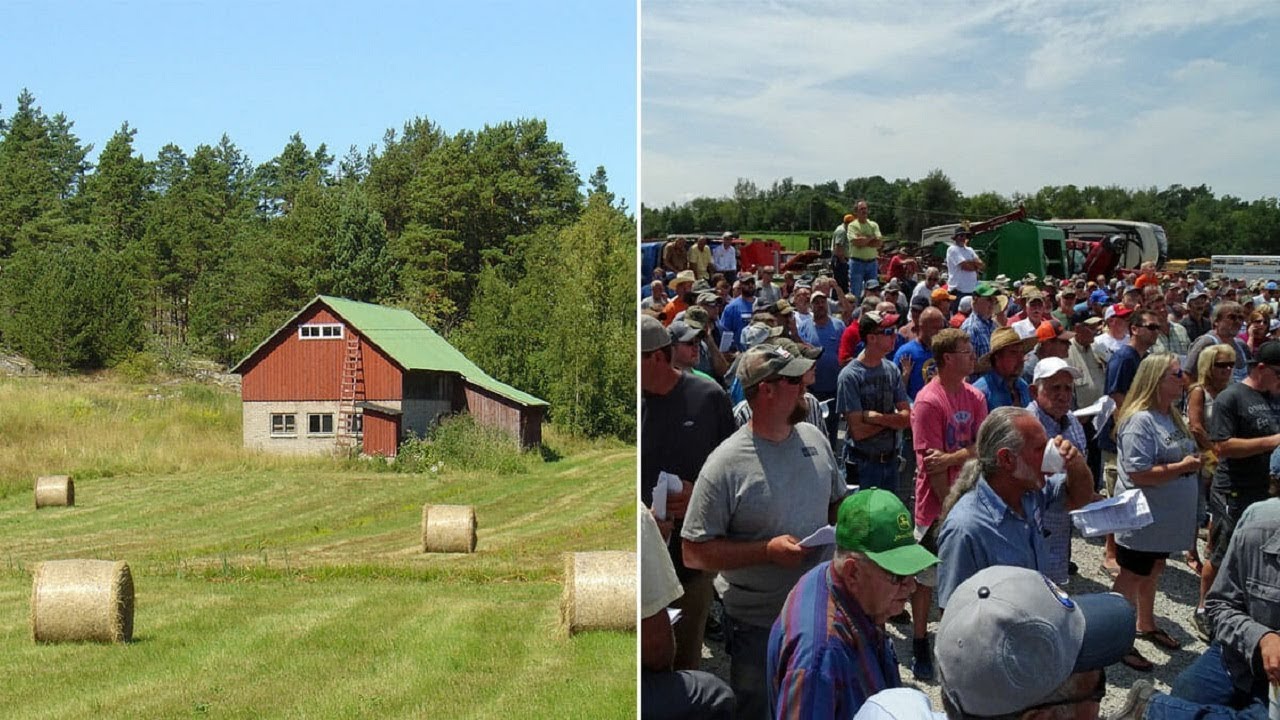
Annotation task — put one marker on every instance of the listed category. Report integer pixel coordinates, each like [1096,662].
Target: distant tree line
[1198,223]
[485,235]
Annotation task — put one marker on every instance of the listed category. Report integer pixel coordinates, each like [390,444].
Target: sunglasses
[886,331]
[1224,365]
[1150,326]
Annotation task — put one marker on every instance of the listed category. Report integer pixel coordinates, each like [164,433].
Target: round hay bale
[82,600]
[448,528]
[599,591]
[55,491]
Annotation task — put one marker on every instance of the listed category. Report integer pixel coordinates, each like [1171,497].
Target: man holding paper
[828,651]
[768,485]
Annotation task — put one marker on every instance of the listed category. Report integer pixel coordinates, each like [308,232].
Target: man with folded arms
[828,651]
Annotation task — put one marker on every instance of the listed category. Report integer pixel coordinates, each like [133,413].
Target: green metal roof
[410,343]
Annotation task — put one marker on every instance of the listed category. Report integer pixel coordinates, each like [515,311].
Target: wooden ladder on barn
[351,392]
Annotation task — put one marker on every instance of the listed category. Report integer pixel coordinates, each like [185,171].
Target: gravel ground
[1175,600]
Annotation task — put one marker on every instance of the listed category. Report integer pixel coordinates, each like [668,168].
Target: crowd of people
[827,453]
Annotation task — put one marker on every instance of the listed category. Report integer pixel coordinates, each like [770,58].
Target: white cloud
[1005,96]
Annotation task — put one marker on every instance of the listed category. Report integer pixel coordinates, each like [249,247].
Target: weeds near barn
[259,575]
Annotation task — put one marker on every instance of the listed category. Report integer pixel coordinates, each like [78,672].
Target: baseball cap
[1099,297]
[1118,310]
[919,302]
[756,333]
[766,361]
[1196,294]
[875,523]
[984,289]
[848,218]
[1271,285]
[941,293]
[1092,321]
[681,332]
[1268,354]
[899,703]
[1052,330]
[708,298]
[697,317]
[1010,637]
[652,335]
[966,304]
[874,319]
[1048,367]
[726,235]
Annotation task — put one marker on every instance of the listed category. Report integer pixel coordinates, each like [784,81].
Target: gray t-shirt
[861,388]
[751,489]
[1145,440]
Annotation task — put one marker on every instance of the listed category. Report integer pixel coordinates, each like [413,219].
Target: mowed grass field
[271,587]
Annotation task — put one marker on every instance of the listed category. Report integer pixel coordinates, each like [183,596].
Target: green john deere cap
[875,523]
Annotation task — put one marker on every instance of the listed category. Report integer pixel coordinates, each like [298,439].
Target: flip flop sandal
[1161,638]
[1134,660]
[1112,573]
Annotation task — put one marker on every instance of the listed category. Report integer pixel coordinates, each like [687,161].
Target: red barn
[341,372]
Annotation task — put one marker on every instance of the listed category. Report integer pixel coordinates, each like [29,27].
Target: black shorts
[1220,532]
[1138,562]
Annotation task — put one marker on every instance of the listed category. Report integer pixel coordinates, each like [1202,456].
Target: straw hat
[1002,338]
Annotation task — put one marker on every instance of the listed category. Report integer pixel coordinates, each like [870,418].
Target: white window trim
[320,329]
[332,421]
[283,433]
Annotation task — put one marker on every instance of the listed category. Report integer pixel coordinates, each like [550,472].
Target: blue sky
[1002,95]
[338,73]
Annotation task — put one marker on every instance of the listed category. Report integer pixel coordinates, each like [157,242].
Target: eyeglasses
[1224,365]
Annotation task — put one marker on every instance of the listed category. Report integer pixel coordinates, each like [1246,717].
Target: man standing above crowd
[700,258]
[998,520]
[864,249]
[824,331]
[828,651]
[963,264]
[944,426]
[725,257]
[675,255]
[770,484]
[874,404]
[682,419]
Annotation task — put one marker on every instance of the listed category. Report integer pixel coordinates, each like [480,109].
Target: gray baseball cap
[652,335]
[1010,637]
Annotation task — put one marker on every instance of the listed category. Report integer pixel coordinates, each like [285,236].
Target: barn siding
[289,368]
[381,433]
[494,410]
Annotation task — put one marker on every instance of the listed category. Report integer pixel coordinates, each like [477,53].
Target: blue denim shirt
[997,391]
[981,531]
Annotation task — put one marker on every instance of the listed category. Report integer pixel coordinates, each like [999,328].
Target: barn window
[320,331]
[284,424]
[320,424]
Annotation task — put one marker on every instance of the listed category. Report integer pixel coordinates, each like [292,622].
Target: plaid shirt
[979,332]
[826,656]
[1055,520]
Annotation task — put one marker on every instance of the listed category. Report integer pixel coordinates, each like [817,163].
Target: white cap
[898,704]
[1048,367]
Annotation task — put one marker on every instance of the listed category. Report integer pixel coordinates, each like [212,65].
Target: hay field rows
[294,588]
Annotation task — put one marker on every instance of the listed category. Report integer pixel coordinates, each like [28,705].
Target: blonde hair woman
[1157,455]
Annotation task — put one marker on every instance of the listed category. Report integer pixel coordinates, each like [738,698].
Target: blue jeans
[1204,691]
[861,271]
[866,473]
[748,648]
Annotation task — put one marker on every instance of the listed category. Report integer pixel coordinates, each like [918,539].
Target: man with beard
[828,651]
[682,419]
[770,484]
[1002,497]
[737,314]
[1000,379]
